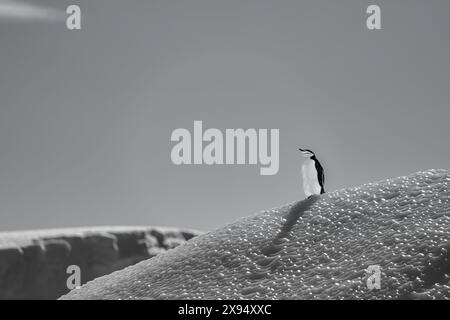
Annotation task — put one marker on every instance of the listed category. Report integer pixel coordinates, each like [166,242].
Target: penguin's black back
[320,174]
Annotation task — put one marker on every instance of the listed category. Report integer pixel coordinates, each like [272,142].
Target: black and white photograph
[224,150]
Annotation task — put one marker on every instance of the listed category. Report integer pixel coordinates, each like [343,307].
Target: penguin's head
[306,153]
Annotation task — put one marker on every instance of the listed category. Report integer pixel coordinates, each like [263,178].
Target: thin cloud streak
[22,11]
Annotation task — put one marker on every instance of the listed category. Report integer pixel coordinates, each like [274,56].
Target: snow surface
[317,248]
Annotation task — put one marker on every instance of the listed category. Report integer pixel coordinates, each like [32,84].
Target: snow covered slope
[318,248]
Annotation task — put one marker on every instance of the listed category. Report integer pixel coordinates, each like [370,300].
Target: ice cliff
[33,264]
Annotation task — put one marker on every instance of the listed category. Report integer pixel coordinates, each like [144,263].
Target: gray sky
[86,116]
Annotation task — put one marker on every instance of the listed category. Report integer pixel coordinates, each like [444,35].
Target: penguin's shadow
[292,216]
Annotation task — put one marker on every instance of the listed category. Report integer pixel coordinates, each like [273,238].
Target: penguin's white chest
[311,184]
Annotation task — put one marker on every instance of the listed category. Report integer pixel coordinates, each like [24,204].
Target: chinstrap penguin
[313,174]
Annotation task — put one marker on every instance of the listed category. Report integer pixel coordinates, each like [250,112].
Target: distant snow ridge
[313,249]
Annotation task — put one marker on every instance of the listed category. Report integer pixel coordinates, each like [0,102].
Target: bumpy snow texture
[318,248]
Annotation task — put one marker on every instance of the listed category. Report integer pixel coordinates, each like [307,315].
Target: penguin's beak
[305,153]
